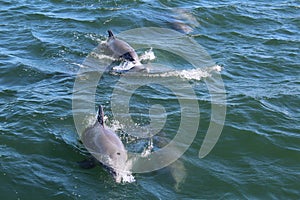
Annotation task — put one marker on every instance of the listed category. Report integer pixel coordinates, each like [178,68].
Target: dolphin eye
[119,153]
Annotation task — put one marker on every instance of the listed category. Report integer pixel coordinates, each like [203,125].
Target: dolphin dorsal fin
[100,116]
[110,34]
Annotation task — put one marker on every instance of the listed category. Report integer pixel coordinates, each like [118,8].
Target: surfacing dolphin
[106,147]
[121,49]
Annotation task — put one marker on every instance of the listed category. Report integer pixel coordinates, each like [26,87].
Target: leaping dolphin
[106,147]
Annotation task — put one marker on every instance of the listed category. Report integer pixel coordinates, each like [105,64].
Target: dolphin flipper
[128,56]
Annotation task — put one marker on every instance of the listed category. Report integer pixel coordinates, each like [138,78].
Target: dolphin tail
[100,116]
[110,33]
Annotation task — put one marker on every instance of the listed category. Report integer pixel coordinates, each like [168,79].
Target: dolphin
[121,49]
[106,147]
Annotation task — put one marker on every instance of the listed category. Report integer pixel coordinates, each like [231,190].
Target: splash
[124,175]
[148,55]
[114,125]
[148,149]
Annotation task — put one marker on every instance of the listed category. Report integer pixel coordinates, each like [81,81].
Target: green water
[43,45]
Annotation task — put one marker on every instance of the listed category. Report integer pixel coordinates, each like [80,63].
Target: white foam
[148,55]
[123,173]
[124,177]
[191,74]
[126,65]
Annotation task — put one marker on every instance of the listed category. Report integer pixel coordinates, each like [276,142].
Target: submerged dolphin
[121,49]
[106,147]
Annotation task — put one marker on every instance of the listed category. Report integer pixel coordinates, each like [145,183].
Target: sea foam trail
[191,74]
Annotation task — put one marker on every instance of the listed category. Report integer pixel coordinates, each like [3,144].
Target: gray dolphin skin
[121,48]
[105,145]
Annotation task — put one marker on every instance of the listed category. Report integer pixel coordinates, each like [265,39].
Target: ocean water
[253,46]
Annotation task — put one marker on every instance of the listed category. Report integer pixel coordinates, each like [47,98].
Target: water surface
[43,44]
